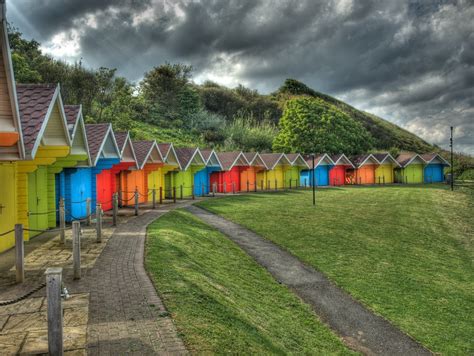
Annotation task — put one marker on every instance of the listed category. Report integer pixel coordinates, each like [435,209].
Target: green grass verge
[406,252]
[224,302]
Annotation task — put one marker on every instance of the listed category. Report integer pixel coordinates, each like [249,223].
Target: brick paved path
[125,313]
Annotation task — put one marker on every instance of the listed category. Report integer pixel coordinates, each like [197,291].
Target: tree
[311,125]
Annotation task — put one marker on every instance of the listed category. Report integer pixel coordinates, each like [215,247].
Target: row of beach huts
[48,154]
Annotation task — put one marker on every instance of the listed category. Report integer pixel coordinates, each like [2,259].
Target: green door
[168,186]
[38,200]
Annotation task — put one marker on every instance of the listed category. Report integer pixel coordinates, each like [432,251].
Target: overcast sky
[410,62]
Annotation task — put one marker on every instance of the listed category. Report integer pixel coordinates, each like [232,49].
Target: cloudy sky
[411,62]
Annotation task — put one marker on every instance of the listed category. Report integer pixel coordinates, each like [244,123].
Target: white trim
[154,144]
[104,140]
[388,155]
[367,158]
[39,137]
[84,133]
[196,151]
[217,157]
[347,160]
[129,140]
[412,159]
[299,157]
[12,86]
[437,155]
[175,156]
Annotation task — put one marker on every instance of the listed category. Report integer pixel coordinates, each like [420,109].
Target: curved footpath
[125,313]
[359,327]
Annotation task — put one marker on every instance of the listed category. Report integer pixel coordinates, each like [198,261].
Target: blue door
[434,173]
[322,175]
[200,181]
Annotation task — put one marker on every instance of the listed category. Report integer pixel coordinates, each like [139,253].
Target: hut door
[7,198]
[168,186]
[37,199]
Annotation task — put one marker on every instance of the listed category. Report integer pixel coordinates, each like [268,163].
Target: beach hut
[202,178]
[364,172]
[434,167]
[11,140]
[104,154]
[410,170]
[72,187]
[248,174]
[170,164]
[337,172]
[46,139]
[273,176]
[149,160]
[322,166]
[229,178]
[191,162]
[293,174]
[110,181]
[384,173]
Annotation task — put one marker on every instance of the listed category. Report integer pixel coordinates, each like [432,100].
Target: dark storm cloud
[411,62]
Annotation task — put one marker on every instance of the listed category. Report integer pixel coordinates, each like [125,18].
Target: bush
[246,134]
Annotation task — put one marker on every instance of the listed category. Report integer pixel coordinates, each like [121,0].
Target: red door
[337,175]
[104,189]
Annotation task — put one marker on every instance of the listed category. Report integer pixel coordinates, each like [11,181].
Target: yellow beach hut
[276,165]
[384,172]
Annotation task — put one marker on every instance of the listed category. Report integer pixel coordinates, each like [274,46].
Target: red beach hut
[229,179]
[337,173]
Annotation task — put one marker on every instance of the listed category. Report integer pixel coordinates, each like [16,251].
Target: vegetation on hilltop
[168,104]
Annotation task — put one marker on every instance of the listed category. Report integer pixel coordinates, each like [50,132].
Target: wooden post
[255,184]
[268,184]
[153,197]
[174,194]
[248,186]
[88,212]
[290,183]
[225,187]
[62,221]
[192,191]
[276,184]
[261,184]
[98,223]
[115,209]
[214,190]
[383,180]
[161,195]
[19,254]
[233,187]
[120,200]
[306,182]
[136,202]
[203,192]
[76,248]
[181,192]
[54,310]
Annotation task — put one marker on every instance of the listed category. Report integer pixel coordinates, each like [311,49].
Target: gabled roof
[230,159]
[36,104]
[341,159]
[187,155]
[10,122]
[318,159]
[123,141]
[429,157]
[297,160]
[97,135]
[144,150]
[404,159]
[167,150]
[75,122]
[272,159]
[210,155]
[254,159]
[384,157]
[360,160]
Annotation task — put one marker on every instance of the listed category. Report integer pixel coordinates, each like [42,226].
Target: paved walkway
[125,313]
[360,328]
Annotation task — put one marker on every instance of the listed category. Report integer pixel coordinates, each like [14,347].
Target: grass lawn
[224,302]
[406,252]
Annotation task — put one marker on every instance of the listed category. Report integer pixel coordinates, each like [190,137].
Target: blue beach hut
[202,178]
[434,168]
[322,166]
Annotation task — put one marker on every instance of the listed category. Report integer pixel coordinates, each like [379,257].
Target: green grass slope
[405,252]
[222,301]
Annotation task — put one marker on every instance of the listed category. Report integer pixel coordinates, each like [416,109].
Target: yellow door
[7,205]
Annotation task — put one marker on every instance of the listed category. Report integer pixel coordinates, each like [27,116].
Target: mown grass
[224,302]
[405,252]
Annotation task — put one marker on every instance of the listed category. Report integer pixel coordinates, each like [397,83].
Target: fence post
[120,200]
[248,186]
[261,184]
[174,194]
[153,197]
[383,180]
[181,192]
[161,195]
[19,254]
[76,248]
[115,209]
[276,184]
[202,189]
[214,190]
[54,310]
[406,180]
[268,185]
[88,212]
[62,221]
[225,187]
[290,182]
[136,202]
[98,223]
[192,191]
[233,187]
[255,184]
[306,182]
